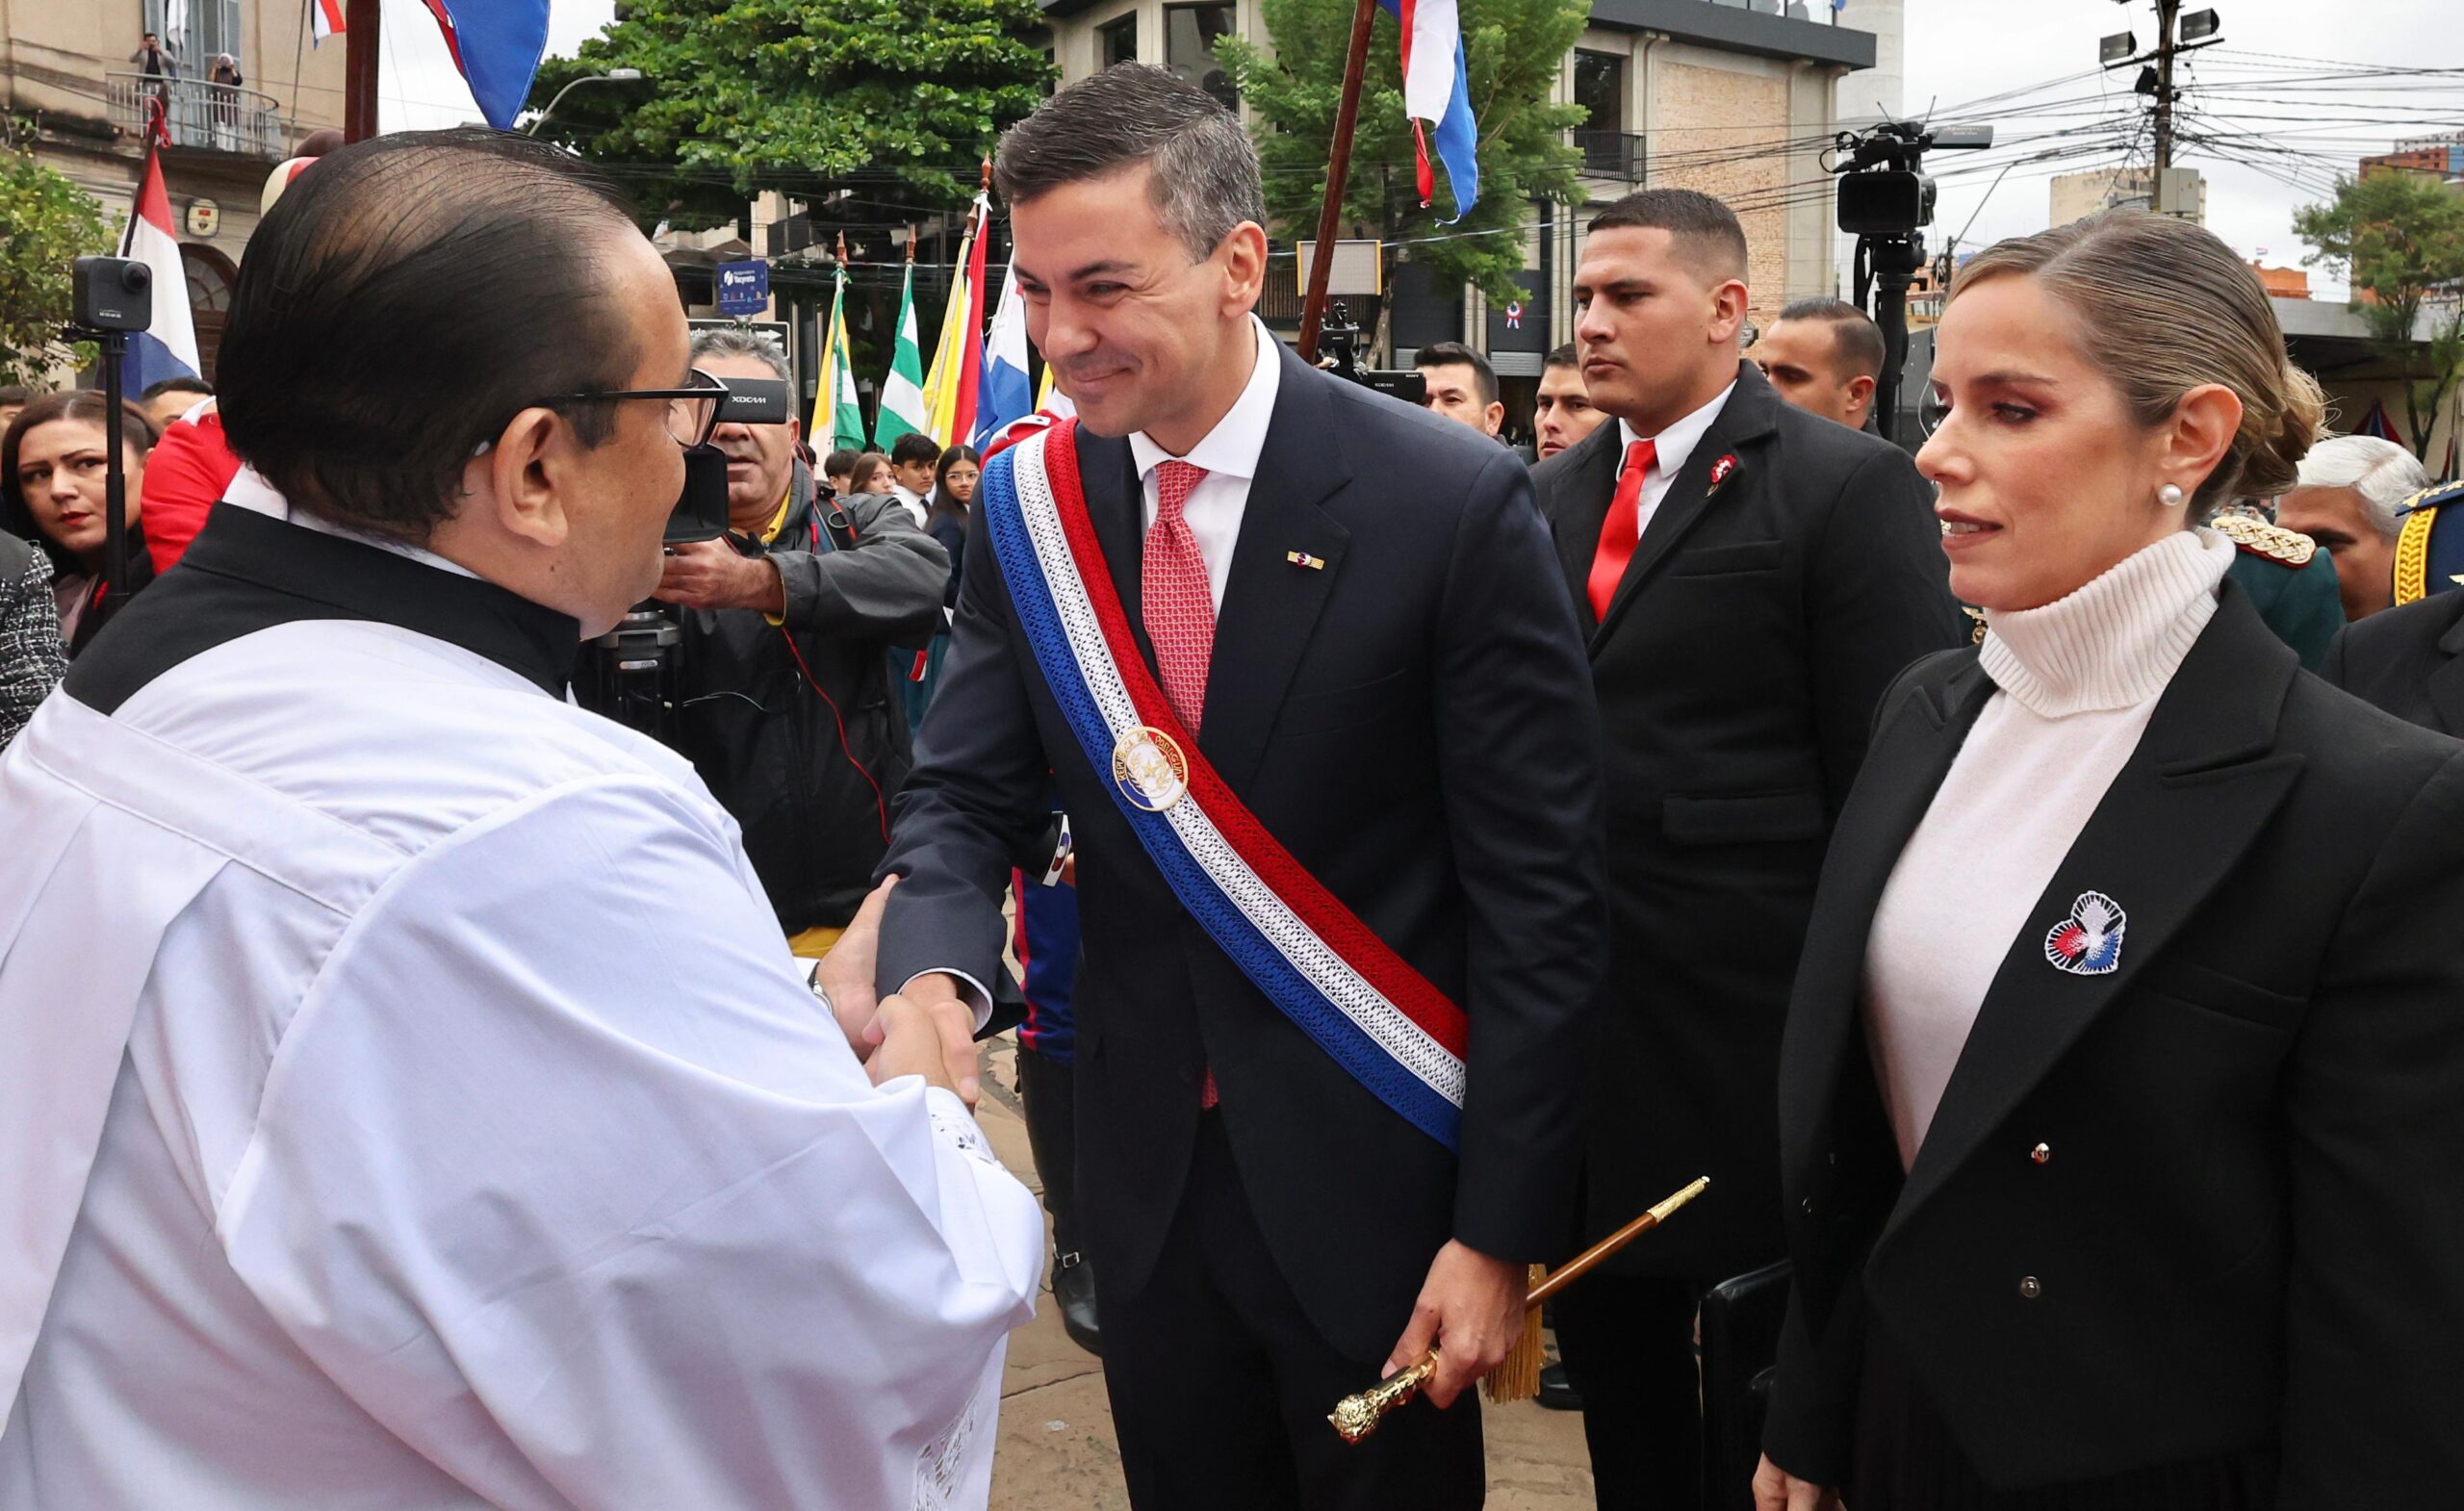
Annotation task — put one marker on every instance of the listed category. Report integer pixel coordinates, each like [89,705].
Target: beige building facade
[76,99]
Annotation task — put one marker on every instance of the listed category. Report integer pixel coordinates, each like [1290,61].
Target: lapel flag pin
[1720,470]
[1302,558]
[2087,942]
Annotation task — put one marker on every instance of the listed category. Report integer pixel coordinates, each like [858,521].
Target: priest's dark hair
[402,304]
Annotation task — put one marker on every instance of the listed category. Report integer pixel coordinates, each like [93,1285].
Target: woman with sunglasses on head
[54,468]
[2123,1078]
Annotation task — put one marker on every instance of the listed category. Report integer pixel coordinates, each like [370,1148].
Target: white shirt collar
[249,490]
[1231,450]
[1671,448]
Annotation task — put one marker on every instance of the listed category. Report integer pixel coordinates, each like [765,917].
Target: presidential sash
[1362,1003]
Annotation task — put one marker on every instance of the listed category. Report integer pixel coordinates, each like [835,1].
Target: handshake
[931,1033]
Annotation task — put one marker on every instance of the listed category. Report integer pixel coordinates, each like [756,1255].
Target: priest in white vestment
[406,1098]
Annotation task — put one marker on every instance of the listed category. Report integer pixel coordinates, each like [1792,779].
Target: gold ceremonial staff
[1357,1416]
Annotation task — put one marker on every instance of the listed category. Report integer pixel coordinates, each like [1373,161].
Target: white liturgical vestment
[407,1100]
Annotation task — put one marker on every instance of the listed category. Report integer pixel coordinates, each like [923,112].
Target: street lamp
[611,76]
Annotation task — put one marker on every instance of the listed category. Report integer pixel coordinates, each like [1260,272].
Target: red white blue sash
[1362,1003]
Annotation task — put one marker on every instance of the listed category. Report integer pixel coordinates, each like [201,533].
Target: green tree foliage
[2398,237]
[739,95]
[46,223]
[1513,49]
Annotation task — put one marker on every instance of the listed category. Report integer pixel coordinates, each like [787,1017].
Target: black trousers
[1629,1346]
[1220,1385]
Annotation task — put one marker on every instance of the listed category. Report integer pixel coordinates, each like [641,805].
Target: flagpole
[1322,261]
[360,38]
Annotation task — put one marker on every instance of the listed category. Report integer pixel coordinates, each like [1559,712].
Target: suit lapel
[2204,780]
[1270,604]
[1902,769]
[1116,504]
[2446,679]
[1579,503]
[1746,418]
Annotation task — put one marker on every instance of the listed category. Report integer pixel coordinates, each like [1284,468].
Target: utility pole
[2165,12]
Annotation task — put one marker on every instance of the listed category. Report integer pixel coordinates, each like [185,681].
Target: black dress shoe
[1556,1392]
[1073,1286]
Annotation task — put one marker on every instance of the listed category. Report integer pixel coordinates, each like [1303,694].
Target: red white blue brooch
[2087,942]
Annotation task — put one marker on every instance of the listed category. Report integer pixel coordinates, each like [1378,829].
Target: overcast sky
[2272,78]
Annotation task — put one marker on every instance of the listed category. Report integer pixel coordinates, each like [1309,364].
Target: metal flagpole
[1322,261]
[360,24]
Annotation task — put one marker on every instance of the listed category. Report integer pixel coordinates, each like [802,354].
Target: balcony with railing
[217,117]
[1611,154]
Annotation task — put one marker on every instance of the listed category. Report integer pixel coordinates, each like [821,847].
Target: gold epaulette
[2261,539]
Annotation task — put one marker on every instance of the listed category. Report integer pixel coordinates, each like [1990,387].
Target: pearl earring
[2171,496]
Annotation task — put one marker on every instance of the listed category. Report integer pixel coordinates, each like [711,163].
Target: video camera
[1885,200]
[633,672]
[1340,338]
[110,296]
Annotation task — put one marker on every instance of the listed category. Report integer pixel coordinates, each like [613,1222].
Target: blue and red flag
[166,347]
[1437,88]
[497,45]
[325,19]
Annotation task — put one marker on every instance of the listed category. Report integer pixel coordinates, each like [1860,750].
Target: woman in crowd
[954,481]
[30,655]
[870,474]
[53,465]
[2123,1081]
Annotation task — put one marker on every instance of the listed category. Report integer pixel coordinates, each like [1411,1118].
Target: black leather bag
[1741,1322]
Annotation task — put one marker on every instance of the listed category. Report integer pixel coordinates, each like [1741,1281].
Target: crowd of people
[1423,858]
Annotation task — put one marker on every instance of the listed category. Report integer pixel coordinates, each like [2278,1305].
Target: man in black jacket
[1751,577]
[1353,612]
[2410,659]
[787,709]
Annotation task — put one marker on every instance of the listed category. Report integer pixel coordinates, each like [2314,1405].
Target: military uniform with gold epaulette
[2409,659]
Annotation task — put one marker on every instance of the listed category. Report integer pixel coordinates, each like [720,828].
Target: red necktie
[1177,602]
[1178,605]
[1623,528]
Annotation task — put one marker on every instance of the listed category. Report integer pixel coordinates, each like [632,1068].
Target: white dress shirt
[1229,452]
[916,503]
[409,1101]
[1670,449]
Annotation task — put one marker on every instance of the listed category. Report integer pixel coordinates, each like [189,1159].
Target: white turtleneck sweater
[2076,684]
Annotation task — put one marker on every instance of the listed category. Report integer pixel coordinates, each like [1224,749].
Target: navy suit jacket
[1414,721]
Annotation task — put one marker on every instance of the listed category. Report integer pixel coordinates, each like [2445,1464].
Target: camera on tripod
[633,674]
[1885,200]
[1340,338]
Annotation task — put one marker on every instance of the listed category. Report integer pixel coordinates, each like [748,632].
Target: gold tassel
[1517,1377]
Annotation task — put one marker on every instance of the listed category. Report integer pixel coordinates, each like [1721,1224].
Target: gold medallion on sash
[1149,768]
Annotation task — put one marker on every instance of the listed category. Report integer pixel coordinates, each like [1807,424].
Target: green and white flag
[837,415]
[903,392]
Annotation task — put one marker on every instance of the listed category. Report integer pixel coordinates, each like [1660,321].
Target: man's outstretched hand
[846,973]
[953,1016]
[1471,1310]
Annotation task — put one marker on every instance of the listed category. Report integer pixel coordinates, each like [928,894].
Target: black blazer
[1737,671]
[2199,1204]
[2408,661]
[1412,720]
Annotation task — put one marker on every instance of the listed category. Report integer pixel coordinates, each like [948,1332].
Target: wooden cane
[1517,1377]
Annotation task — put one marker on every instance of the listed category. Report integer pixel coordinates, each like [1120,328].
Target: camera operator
[785,703]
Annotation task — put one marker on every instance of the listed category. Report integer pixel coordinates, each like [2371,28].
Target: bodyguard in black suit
[1395,689]
[2408,661]
[1786,571]
[2124,1084]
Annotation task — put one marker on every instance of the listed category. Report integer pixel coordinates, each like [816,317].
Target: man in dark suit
[1751,577]
[1354,608]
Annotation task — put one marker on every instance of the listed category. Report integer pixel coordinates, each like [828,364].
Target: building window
[1190,33]
[1117,40]
[1600,89]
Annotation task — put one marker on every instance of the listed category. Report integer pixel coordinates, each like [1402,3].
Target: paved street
[1057,1451]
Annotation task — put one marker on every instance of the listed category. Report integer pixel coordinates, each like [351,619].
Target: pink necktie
[1179,605]
[1179,609]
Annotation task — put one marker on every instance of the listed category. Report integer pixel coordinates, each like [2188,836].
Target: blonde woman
[2122,1093]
